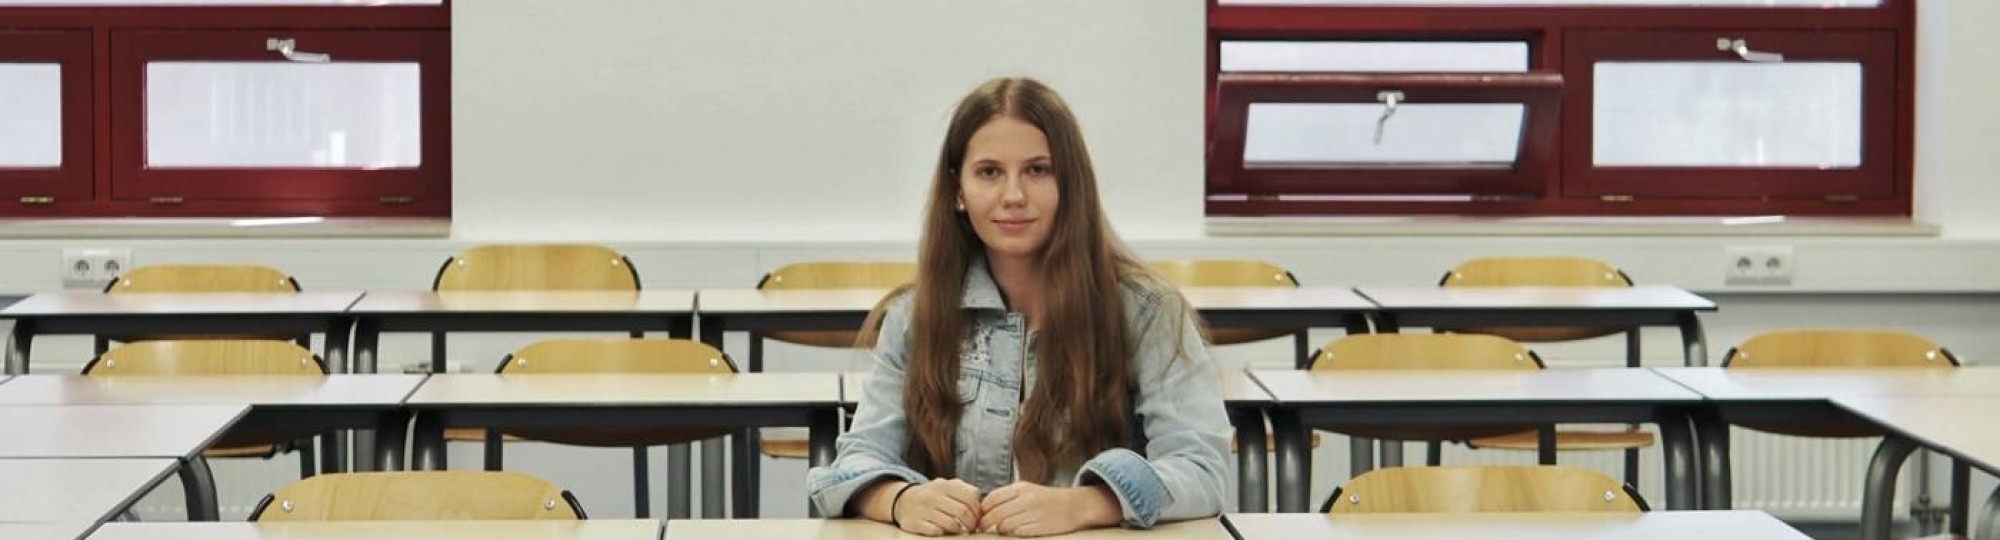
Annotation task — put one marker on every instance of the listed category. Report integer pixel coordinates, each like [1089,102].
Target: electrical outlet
[92,268]
[1759,265]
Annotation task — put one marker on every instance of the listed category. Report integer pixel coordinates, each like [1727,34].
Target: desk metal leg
[19,345]
[1301,350]
[199,486]
[1989,526]
[1360,455]
[1392,453]
[1294,462]
[1878,498]
[1250,453]
[389,440]
[1961,497]
[427,450]
[367,342]
[756,352]
[712,479]
[1677,442]
[642,487]
[823,428]
[743,485]
[680,503]
[1717,486]
[1692,340]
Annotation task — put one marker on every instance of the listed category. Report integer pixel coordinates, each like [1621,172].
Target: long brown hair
[1081,402]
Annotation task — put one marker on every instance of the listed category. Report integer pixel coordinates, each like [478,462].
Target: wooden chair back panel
[557,356]
[538,267]
[188,278]
[1424,351]
[419,495]
[1229,273]
[1537,272]
[1839,348]
[834,275]
[1458,490]
[207,357]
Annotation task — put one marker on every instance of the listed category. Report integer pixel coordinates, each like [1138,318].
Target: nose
[1011,193]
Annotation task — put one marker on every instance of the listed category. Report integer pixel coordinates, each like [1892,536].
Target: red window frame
[121,39]
[71,50]
[1566,40]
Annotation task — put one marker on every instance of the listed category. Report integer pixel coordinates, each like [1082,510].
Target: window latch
[1742,49]
[289,48]
[1390,99]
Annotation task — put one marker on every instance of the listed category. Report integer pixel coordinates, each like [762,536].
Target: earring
[961,207]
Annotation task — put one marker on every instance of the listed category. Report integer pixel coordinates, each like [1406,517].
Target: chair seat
[473,435]
[1271,443]
[1569,440]
[815,338]
[786,443]
[262,450]
[1234,336]
[1537,334]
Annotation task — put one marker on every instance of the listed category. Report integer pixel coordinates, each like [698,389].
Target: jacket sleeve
[872,448]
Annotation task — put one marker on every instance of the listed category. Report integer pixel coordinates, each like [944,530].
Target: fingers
[1000,496]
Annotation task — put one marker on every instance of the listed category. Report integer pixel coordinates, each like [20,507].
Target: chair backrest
[1224,273]
[839,275]
[419,495]
[833,275]
[1537,272]
[207,357]
[538,267]
[171,278]
[1458,490]
[1838,348]
[1424,351]
[1229,273]
[617,356]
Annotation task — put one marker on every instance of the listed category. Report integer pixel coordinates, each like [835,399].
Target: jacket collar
[981,292]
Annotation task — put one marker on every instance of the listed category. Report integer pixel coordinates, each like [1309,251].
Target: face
[1007,188]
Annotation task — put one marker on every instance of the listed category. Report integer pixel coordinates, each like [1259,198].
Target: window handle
[1742,49]
[289,48]
[1390,99]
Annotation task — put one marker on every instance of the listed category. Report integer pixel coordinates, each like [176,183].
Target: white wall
[786,120]
[1958,169]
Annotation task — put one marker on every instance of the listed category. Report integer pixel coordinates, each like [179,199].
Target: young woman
[1036,379]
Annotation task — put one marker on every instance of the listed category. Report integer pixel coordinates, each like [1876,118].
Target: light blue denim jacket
[1178,417]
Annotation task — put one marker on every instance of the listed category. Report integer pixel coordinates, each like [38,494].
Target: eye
[1038,169]
[987,171]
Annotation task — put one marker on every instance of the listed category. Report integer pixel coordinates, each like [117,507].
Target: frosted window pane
[1339,135]
[221,2]
[1706,114]
[1690,3]
[30,116]
[264,114]
[1505,57]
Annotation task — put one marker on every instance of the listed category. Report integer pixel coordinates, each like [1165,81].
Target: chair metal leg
[642,500]
[680,496]
[495,455]
[1545,445]
[1434,453]
[308,457]
[198,485]
[1880,493]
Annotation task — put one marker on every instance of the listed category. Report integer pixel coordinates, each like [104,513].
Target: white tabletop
[79,303]
[66,490]
[622,389]
[1275,298]
[1960,425]
[753,301]
[106,431]
[857,529]
[1237,387]
[1728,525]
[1548,385]
[595,529]
[65,530]
[527,302]
[1823,383]
[331,390]
[1648,297]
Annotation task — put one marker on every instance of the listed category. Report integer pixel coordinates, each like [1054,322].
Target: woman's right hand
[936,508]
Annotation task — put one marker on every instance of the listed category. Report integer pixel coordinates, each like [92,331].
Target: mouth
[1013,225]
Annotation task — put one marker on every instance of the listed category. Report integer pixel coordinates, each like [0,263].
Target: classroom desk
[180,432]
[1309,399]
[86,491]
[1243,398]
[96,313]
[282,404]
[1960,426]
[861,529]
[1802,395]
[1597,307]
[745,400]
[596,529]
[1735,525]
[1283,307]
[669,311]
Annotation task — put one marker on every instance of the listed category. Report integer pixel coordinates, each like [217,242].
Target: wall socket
[92,268]
[1759,265]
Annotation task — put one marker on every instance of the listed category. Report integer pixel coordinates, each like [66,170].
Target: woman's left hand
[1027,509]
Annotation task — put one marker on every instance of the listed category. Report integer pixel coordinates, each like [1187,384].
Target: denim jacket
[1175,469]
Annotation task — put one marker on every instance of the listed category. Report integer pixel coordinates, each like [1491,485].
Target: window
[184,108]
[1565,107]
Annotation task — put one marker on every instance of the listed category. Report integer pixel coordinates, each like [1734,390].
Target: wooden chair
[787,443]
[1458,352]
[537,267]
[222,357]
[198,278]
[1537,272]
[1817,348]
[419,495]
[1232,273]
[633,356]
[1461,490]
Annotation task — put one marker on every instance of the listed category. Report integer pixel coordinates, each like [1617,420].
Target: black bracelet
[898,498]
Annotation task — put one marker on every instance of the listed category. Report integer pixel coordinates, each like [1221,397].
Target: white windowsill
[222,228]
[1564,226]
